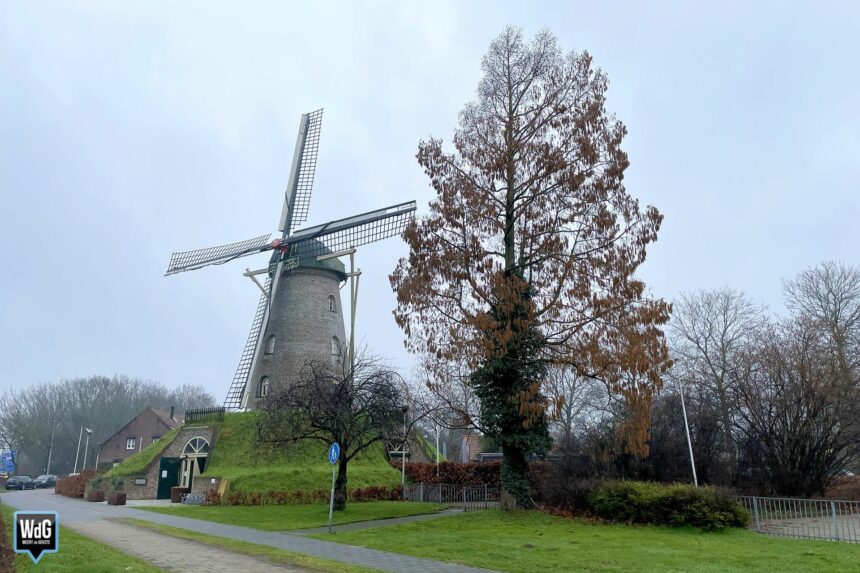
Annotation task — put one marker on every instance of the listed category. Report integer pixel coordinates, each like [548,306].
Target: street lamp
[51,449]
[86,447]
[405,410]
[687,430]
[78,451]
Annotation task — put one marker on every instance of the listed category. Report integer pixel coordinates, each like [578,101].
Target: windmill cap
[308,259]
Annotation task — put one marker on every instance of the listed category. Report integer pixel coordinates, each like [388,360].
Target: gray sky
[130,131]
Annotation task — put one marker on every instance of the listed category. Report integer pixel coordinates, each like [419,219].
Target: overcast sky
[128,131]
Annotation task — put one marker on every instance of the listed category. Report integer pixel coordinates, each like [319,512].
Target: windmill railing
[197,415]
[467,497]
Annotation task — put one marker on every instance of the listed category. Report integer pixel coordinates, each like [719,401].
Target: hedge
[372,493]
[453,473]
[674,505]
[74,486]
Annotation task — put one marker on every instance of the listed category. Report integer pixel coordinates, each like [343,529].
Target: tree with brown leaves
[529,253]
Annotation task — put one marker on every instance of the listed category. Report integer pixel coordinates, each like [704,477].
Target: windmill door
[168,476]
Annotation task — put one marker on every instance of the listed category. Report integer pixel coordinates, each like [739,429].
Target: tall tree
[529,253]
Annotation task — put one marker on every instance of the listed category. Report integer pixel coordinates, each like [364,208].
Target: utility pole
[687,429]
[51,449]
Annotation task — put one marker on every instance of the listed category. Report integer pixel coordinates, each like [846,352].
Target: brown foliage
[452,473]
[74,486]
[532,200]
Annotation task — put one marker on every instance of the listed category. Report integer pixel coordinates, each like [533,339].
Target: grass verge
[78,554]
[286,517]
[278,556]
[534,542]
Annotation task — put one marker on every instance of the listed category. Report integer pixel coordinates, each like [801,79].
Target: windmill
[299,317]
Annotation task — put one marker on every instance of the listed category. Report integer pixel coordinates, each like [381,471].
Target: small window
[264,387]
[335,346]
[155,438]
[130,443]
[332,305]
[270,344]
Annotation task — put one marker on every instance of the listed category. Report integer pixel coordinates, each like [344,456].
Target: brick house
[141,431]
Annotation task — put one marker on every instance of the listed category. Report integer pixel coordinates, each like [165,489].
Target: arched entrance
[193,458]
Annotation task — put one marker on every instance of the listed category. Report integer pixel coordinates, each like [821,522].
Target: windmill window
[270,345]
[264,387]
[130,443]
[335,346]
[332,305]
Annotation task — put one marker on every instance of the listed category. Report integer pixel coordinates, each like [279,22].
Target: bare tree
[709,333]
[332,402]
[579,401]
[799,426]
[829,295]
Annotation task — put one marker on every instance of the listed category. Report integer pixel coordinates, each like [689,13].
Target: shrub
[673,505]
[372,493]
[452,473]
[74,486]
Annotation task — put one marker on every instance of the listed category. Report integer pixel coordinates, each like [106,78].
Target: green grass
[78,554]
[286,517]
[278,556]
[526,542]
[302,466]
[137,464]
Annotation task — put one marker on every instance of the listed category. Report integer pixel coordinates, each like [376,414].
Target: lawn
[263,551]
[78,554]
[137,463]
[286,517]
[302,466]
[526,542]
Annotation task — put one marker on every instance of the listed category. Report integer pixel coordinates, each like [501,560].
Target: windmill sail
[240,379]
[351,231]
[190,260]
[297,198]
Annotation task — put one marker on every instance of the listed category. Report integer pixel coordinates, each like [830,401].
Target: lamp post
[405,410]
[687,430]
[51,449]
[86,447]
[78,451]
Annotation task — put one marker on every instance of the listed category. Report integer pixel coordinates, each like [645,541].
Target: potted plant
[117,496]
[96,493]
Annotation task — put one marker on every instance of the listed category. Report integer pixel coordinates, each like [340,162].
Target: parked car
[46,480]
[20,482]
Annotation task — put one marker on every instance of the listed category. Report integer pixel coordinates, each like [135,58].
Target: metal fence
[204,415]
[804,518]
[467,497]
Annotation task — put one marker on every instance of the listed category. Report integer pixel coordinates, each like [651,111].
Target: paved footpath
[78,513]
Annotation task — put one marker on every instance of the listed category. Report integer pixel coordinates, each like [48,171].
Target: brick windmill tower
[299,317]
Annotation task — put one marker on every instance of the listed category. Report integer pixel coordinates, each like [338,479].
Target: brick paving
[74,511]
[170,554]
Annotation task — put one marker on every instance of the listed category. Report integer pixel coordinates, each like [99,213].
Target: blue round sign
[333,452]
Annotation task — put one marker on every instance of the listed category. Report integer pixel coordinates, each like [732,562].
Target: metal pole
[352,310]
[78,451]
[86,448]
[403,449]
[835,522]
[687,429]
[98,453]
[437,450]
[51,449]
[331,499]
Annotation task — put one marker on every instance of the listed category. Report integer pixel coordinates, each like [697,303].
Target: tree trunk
[515,475]
[340,485]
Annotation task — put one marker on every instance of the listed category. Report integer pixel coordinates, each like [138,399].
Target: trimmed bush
[452,473]
[74,486]
[372,493]
[674,505]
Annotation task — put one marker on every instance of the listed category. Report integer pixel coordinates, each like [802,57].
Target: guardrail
[197,415]
[468,497]
[827,519]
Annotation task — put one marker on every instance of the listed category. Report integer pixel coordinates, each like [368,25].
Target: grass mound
[301,466]
[137,464]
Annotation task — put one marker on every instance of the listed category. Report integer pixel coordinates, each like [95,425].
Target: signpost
[7,461]
[333,456]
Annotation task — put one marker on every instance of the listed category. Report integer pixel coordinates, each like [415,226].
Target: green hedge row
[675,505]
